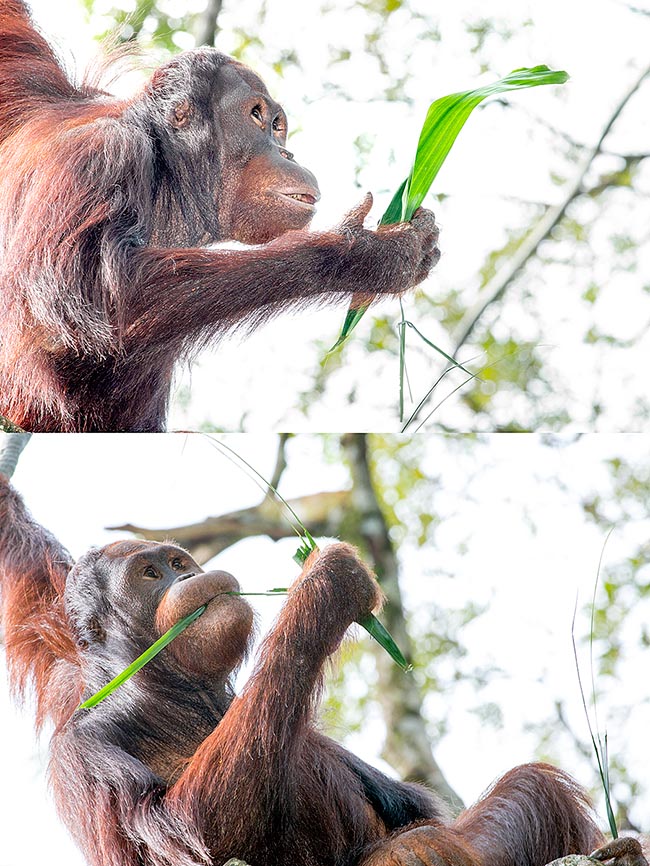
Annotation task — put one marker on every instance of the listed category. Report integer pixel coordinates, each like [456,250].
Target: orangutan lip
[302,198]
[223,595]
[227,585]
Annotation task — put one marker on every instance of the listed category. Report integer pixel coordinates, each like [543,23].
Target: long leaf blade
[445,119]
[447,116]
[383,637]
[142,660]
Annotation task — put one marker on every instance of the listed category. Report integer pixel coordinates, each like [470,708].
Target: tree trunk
[407,747]
[206,32]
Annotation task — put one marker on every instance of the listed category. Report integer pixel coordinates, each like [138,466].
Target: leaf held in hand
[383,637]
[445,119]
[371,624]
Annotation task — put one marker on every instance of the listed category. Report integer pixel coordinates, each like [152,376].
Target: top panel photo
[385,215]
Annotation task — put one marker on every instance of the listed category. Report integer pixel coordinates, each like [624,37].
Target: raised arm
[33,569]
[261,739]
[181,295]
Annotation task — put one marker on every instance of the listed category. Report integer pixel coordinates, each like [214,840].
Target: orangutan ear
[180,114]
[90,632]
[170,89]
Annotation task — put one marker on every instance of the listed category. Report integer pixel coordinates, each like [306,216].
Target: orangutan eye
[177,564]
[151,573]
[257,115]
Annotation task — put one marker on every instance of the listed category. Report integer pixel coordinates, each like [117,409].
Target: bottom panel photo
[324,650]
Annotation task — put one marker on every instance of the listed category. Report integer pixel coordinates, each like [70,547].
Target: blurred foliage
[416,503]
[146,21]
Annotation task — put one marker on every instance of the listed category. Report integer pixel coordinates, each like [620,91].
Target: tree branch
[322,512]
[11,446]
[280,462]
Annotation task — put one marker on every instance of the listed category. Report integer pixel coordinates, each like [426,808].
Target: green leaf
[155,648]
[370,623]
[142,660]
[308,546]
[445,119]
[352,319]
[381,634]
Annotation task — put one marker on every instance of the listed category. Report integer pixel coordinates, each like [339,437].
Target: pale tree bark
[208,27]
[407,747]
[11,447]
[323,513]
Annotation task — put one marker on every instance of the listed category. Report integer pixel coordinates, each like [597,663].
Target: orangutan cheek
[216,643]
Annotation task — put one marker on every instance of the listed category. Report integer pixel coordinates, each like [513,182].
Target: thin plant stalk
[432,389]
[600,744]
[402,361]
[438,405]
[307,542]
[476,375]
[402,325]
[449,358]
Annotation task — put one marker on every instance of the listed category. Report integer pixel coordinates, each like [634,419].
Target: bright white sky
[528,580]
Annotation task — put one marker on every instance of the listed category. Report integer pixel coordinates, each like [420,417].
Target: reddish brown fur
[174,770]
[103,205]
[625,851]
[40,649]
